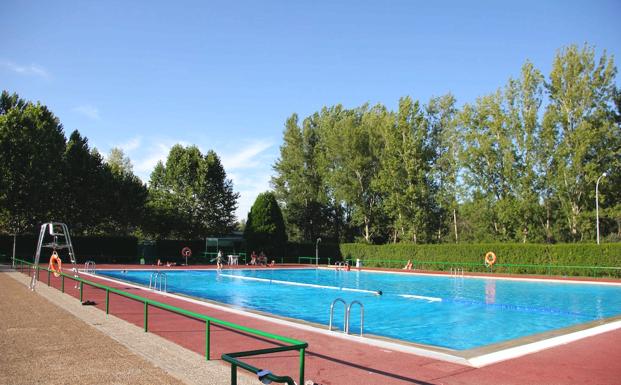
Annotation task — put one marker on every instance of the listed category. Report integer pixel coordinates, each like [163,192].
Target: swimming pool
[454,313]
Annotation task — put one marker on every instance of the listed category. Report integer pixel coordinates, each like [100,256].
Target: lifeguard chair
[57,236]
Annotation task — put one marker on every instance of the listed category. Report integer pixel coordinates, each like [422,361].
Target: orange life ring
[56,264]
[490,259]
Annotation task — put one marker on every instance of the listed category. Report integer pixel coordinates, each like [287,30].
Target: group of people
[260,260]
[168,264]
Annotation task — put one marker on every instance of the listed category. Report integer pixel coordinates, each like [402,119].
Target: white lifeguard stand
[57,236]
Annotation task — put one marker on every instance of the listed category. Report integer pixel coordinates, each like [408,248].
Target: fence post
[233,374]
[207,340]
[62,283]
[302,365]
[146,316]
[107,301]
[81,291]
[48,278]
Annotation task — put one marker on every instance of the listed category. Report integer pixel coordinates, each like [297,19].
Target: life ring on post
[56,264]
[490,259]
[186,252]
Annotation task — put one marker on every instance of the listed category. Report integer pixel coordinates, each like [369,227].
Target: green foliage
[190,197]
[44,178]
[560,259]
[517,165]
[31,154]
[265,226]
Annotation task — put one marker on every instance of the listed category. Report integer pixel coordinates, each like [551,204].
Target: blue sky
[224,75]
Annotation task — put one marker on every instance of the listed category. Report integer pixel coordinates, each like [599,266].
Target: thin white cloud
[28,70]
[247,157]
[249,187]
[88,111]
[158,149]
[130,145]
[145,165]
[250,169]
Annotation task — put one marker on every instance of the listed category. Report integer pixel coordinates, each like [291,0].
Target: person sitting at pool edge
[253,258]
[262,260]
[408,266]
[272,263]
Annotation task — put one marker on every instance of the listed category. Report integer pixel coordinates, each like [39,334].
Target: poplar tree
[578,125]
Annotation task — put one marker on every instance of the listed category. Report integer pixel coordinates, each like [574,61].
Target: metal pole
[14,241]
[317,251]
[302,365]
[146,316]
[597,204]
[207,340]
[233,374]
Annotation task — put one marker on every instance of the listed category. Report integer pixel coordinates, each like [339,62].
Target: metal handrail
[297,344]
[332,313]
[232,359]
[361,316]
[158,277]
[89,267]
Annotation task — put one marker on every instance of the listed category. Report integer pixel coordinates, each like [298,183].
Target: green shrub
[513,258]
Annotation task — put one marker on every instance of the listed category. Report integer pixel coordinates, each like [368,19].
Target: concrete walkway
[47,337]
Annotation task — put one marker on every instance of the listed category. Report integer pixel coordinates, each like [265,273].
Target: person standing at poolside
[219,260]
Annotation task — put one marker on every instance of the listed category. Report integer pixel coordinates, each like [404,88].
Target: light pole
[317,251]
[597,204]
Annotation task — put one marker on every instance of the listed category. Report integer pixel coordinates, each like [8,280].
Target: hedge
[558,259]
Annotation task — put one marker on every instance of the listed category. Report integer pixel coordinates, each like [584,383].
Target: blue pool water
[454,313]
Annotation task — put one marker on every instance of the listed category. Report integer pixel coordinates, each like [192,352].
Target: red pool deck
[337,361]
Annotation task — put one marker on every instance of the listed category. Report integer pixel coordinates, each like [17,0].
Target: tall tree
[405,179]
[31,148]
[126,196]
[191,196]
[352,147]
[84,192]
[118,162]
[577,123]
[265,226]
[299,182]
[442,120]
[523,99]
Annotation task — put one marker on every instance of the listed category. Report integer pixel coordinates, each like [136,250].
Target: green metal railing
[510,268]
[313,260]
[232,359]
[229,357]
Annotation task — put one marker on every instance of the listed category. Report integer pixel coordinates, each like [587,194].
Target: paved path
[42,342]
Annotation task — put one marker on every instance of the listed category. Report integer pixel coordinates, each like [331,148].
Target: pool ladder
[457,272]
[347,314]
[89,267]
[158,281]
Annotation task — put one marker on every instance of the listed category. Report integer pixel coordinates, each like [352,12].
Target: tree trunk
[455,225]
[575,211]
